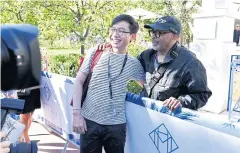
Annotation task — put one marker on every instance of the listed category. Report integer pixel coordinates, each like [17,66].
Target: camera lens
[20,60]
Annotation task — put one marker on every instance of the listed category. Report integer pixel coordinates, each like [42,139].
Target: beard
[160,48]
[157,46]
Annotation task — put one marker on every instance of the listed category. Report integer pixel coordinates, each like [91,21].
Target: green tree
[183,10]
[82,18]
[18,12]
[86,19]
[29,12]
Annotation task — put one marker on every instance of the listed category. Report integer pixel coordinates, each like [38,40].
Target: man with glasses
[101,121]
[173,74]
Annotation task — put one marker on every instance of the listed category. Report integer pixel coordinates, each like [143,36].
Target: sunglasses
[157,34]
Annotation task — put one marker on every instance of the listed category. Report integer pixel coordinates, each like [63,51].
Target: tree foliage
[183,10]
[68,24]
[65,64]
[77,23]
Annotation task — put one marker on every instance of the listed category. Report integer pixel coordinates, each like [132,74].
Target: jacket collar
[172,54]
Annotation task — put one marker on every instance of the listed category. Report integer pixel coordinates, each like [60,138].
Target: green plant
[134,87]
[65,64]
[135,49]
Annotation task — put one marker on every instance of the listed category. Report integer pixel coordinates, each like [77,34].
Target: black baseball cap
[166,23]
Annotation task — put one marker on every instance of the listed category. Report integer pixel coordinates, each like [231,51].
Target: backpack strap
[96,57]
[161,70]
[157,76]
[98,54]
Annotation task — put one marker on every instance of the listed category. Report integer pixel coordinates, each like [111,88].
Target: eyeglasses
[156,34]
[118,31]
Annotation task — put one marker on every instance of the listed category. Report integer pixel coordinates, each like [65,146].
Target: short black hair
[134,26]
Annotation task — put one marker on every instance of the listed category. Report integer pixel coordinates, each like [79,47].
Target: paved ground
[49,142]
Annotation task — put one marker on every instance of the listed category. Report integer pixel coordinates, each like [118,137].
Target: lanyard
[112,79]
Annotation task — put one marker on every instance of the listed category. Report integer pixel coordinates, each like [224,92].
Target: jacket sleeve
[144,58]
[234,35]
[141,60]
[195,80]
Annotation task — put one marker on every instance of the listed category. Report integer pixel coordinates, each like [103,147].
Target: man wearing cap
[173,74]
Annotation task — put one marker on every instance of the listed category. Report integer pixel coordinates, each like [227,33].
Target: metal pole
[231,92]
[65,147]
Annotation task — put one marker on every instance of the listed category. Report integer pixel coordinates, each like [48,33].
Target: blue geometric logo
[47,91]
[163,140]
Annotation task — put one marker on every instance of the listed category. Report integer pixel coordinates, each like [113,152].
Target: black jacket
[185,78]
[236,35]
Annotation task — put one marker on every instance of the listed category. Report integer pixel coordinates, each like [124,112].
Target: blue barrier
[146,118]
[203,119]
[143,101]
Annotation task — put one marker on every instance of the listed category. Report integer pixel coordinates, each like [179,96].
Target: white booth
[213,44]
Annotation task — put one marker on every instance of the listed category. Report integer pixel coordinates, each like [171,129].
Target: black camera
[20,57]
[20,69]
